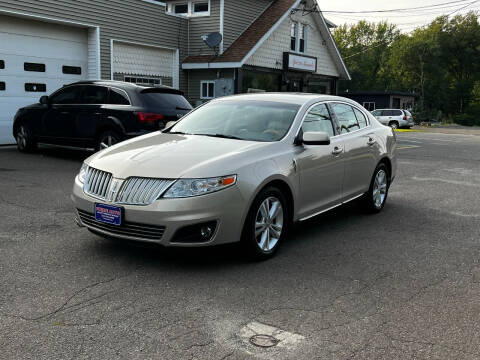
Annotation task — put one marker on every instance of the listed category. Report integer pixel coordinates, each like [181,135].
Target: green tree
[365,48]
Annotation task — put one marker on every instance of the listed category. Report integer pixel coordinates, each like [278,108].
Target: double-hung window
[298,37]
[207,89]
[189,8]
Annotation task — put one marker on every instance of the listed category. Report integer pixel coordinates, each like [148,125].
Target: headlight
[183,188]
[82,173]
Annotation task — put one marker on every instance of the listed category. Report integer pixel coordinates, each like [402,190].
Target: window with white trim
[298,37]
[370,106]
[189,8]
[207,89]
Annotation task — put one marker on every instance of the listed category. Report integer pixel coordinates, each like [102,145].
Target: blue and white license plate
[108,214]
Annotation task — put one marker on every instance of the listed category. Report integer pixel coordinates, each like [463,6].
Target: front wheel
[24,138]
[377,194]
[266,224]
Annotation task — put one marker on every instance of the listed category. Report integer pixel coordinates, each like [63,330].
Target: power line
[462,8]
[431,7]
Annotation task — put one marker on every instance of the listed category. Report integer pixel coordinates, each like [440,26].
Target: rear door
[321,167]
[360,145]
[58,122]
[89,113]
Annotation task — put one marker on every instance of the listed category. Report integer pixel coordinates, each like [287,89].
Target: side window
[118,97]
[67,96]
[346,117]
[94,95]
[318,119]
[385,113]
[362,121]
[2,64]
[397,113]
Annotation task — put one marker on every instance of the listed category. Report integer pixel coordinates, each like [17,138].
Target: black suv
[97,114]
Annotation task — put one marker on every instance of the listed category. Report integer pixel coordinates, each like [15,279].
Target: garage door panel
[36,42]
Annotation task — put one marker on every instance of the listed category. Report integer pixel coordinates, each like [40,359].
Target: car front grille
[126,230]
[141,191]
[97,183]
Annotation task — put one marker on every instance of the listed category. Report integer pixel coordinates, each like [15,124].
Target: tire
[263,244]
[376,197]
[107,139]
[24,138]
[394,124]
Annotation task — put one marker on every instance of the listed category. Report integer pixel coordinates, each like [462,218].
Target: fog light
[198,233]
[206,232]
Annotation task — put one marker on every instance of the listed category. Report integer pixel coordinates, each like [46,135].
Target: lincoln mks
[238,169]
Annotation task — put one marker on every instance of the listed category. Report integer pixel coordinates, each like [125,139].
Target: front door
[321,167]
[58,122]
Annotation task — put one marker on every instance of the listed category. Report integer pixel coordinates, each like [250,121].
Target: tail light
[149,118]
[404,117]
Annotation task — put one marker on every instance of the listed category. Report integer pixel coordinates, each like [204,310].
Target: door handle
[64,112]
[337,150]
[371,141]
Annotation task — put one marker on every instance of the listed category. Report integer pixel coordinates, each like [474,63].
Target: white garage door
[36,58]
[145,65]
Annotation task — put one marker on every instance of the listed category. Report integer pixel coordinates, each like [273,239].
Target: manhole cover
[265,341]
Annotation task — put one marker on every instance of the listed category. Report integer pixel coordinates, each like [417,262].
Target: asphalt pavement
[404,284]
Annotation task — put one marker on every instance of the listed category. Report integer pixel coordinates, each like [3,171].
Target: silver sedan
[238,169]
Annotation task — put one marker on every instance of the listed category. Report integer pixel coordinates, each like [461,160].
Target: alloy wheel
[269,224]
[394,125]
[22,136]
[380,189]
[107,141]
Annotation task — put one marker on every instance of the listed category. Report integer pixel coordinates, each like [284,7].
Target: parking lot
[346,285]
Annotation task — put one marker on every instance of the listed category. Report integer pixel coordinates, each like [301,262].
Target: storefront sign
[300,62]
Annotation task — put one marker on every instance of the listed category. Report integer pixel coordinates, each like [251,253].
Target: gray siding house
[268,45]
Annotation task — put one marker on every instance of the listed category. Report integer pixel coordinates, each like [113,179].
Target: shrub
[471,117]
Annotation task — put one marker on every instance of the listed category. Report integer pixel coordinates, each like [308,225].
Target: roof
[253,37]
[284,97]
[250,37]
[128,85]
[379,93]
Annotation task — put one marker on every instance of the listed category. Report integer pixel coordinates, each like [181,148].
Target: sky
[406,19]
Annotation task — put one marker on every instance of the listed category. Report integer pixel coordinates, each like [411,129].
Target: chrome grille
[142,191]
[127,230]
[97,183]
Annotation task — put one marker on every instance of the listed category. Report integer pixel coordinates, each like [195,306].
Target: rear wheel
[24,138]
[394,124]
[266,224]
[377,194]
[107,139]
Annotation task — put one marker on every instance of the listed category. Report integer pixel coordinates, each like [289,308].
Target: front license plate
[108,214]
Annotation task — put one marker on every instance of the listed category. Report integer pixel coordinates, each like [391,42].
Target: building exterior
[267,45]
[372,100]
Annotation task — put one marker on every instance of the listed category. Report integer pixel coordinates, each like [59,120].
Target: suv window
[118,97]
[397,113]
[362,121]
[377,113]
[94,95]
[346,117]
[69,95]
[318,119]
[165,100]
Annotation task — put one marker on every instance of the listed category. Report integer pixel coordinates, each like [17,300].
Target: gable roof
[254,36]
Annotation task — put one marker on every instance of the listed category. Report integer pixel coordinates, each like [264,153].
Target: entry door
[321,167]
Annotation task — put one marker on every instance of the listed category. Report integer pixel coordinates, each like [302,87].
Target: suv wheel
[266,224]
[394,124]
[24,138]
[377,194]
[107,139]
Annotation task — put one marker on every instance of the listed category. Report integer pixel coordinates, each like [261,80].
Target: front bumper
[226,208]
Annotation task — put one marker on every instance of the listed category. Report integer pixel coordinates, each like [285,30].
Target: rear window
[165,100]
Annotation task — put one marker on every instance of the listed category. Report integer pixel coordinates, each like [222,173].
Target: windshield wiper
[221,136]
[177,133]
[181,108]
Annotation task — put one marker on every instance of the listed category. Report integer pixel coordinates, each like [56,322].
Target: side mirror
[170,124]
[44,100]
[315,138]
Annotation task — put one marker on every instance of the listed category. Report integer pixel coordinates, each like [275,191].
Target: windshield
[240,119]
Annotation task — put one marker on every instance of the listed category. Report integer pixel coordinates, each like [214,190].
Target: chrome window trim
[331,102]
[128,97]
[80,104]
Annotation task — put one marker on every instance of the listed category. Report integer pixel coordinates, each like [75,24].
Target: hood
[172,156]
